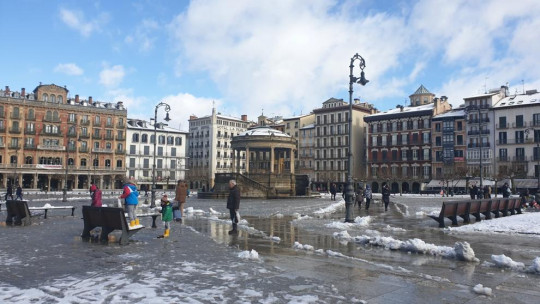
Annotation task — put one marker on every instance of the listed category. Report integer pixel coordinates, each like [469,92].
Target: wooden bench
[487,207]
[17,213]
[46,209]
[109,219]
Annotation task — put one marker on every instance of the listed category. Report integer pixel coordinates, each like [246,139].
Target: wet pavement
[199,263]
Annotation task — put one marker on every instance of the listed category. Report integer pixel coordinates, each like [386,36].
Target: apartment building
[209,147]
[517,132]
[481,132]
[399,143]
[293,127]
[169,154]
[47,137]
[449,145]
[332,142]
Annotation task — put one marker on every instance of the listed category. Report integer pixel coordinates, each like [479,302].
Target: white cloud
[69,69]
[144,36]
[76,20]
[112,76]
[182,106]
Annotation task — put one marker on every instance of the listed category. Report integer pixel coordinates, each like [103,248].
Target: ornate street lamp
[363,81]
[167,109]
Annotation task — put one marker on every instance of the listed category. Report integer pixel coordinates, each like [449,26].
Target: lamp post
[64,191]
[350,188]
[167,109]
[537,156]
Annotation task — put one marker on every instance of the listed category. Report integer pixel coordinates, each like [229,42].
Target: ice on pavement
[481,290]
[249,255]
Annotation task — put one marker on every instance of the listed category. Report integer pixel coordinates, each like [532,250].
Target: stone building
[302,129]
[209,147]
[399,143]
[47,136]
[170,154]
[332,142]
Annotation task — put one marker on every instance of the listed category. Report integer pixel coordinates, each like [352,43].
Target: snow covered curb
[330,209]
[502,261]
[461,250]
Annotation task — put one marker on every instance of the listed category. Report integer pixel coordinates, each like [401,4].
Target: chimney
[356,100]
[23,92]
[77,98]
[89,99]
[244,117]
[192,117]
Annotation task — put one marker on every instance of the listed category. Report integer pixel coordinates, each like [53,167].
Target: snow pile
[394,229]
[298,216]
[249,255]
[278,215]
[190,210]
[276,239]
[526,223]
[214,212]
[47,205]
[362,221]
[535,267]
[480,289]
[358,222]
[461,250]
[331,209]
[303,247]
[504,261]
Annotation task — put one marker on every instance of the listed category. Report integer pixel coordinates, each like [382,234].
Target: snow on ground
[526,223]
[502,261]
[331,209]
[481,290]
[249,255]
[461,250]
[358,222]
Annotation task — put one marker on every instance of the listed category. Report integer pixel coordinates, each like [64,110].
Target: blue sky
[286,57]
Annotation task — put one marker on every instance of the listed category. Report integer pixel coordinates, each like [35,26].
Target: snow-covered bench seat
[109,219]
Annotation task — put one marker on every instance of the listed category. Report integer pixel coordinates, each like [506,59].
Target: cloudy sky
[283,57]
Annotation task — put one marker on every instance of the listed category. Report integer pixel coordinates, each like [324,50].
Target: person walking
[359,196]
[233,204]
[96,198]
[130,194]
[386,196]
[18,193]
[93,188]
[471,193]
[367,196]
[9,192]
[181,194]
[474,192]
[333,191]
[506,190]
[166,216]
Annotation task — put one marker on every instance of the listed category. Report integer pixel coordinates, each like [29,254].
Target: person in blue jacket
[131,195]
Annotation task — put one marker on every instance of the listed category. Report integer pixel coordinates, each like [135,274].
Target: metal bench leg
[454,220]
[73,211]
[46,213]
[154,217]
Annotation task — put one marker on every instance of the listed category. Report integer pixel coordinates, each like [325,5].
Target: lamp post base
[349,196]
[153,199]
[64,195]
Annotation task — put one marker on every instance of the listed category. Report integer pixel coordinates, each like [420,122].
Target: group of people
[18,193]
[367,195]
[481,193]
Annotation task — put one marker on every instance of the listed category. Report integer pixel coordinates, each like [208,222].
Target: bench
[109,219]
[463,209]
[46,209]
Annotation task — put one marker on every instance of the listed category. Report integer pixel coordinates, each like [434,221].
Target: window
[519,121]
[536,120]
[178,141]
[144,138]
[502,138]
[503,155]
[109,121]
[72,117]
[45,97]
[97,120]
[520,137]
[170,140]
[146,150]
[135,137]
[502,122]
[520,154]
[160,151]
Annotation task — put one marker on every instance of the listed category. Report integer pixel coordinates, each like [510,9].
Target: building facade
[449,146]
[169,157]
[517,133]
[209,148]
[48,138]
[399,143]
[481,133]
[296,128]
[332,142]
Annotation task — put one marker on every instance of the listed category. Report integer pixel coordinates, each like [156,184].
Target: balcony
[30,118]
[109,125]
[503,159]
[29,146]
[2,114]
[109,137]
[2,145]
[14,146]
[2,129]
[72,135]
[15,130]
[96,136]
[84,136]
[519,125]
[83,149]
[51,148]
[44,133]
[120,151]
[120,137]
[50,119]
[29,132]
[477,145]
[72,121]
[84,122]
[102,150]
[502,126]
[519,158]
[15,116]
[120,125]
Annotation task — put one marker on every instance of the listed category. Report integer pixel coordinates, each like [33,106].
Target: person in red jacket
[96,198]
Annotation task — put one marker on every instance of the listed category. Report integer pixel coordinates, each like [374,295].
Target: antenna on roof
[523,85]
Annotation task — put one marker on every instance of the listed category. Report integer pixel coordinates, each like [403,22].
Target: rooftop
[531,97]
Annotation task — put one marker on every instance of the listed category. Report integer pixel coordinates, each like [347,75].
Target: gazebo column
[292,161]
[247,159]
[272,155]
[234,169]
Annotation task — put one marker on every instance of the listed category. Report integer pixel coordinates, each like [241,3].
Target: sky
[280,58]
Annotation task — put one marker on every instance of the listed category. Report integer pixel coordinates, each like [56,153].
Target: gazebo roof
[263,131]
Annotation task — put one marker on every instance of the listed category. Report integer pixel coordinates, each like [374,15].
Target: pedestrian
[18,192]
[524,197]
[386,196]
[471,193]
[367,196]
[344,191]
[130,194]
[96,198]
[181,194]
[506,192]
[333,192]
[233,204]
[359,196]
[474,192]
[9,192]
[166,215]
[93,188]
